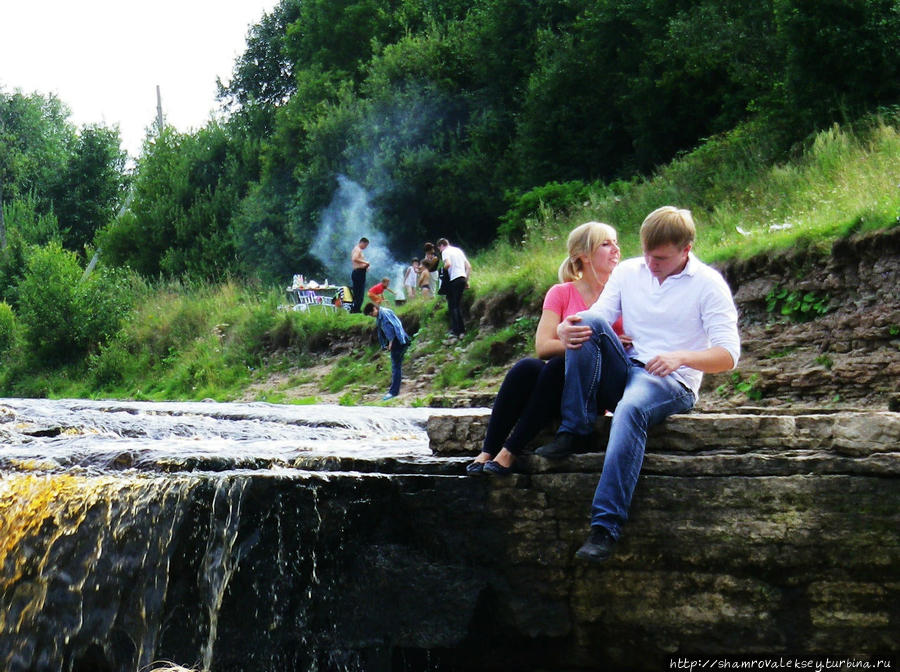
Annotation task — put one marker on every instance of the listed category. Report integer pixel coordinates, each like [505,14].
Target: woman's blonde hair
[583,239]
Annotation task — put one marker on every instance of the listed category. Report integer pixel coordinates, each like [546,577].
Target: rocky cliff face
[833,338]
[753,533]
[750,533]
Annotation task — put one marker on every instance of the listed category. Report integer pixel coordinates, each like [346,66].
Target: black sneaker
[598,547]
[563,445]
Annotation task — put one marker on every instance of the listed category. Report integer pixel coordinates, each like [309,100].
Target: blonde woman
[530,395]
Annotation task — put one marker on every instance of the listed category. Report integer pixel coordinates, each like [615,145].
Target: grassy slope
[232,342]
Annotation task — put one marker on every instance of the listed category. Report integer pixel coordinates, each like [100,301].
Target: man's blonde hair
[583,239]
[668,225]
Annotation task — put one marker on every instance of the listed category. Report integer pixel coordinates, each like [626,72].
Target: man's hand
[712,360]
[571,333]
[664,364]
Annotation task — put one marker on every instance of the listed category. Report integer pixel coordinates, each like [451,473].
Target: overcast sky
[105,58]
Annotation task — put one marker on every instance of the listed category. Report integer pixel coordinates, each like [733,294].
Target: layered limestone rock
[756,532]
[750,533]
[841,348]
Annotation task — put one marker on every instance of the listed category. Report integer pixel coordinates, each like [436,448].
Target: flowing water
[100,435]
[133,531]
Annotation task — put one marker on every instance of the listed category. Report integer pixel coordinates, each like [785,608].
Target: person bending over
[394,339]
[376,292]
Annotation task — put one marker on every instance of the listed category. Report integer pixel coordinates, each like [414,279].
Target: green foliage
[825,360]
[55,172]
[370,366]
[840,57]
[26,226]
[26,221]
[186,191]
[553,197]
[48,304]
[35,137]
[749,387]
[438,109]
[90,186]
[484,354]
[64,316]
[797,305]
[9,328]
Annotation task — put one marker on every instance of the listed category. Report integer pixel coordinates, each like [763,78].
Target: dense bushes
[448,114]
[64,316]
[9,329]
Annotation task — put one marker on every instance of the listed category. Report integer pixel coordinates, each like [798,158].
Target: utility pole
[159,114]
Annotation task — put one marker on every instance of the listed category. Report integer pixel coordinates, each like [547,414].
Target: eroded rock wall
[849,356]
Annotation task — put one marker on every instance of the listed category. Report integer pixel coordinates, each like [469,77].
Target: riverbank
[831,340]
[807,246]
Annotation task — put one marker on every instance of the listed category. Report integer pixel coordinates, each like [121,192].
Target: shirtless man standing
[358,274]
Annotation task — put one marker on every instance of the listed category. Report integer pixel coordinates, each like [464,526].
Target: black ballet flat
[497,469]
[475,469]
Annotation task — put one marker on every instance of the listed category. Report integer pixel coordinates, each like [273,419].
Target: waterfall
[136,531]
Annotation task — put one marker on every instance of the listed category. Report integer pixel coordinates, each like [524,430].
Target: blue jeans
[600,375]
[397,353]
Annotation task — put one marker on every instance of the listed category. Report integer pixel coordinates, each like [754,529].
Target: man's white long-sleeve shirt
[457,259]
[691,310]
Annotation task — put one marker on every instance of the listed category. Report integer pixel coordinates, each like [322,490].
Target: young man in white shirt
[458,270]
[681,321]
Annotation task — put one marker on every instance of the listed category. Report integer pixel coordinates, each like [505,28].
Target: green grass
[843,181]
[193,340]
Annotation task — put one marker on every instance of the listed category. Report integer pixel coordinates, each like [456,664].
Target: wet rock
[757,532]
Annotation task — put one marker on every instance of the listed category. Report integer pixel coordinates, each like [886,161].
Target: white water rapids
[41,433]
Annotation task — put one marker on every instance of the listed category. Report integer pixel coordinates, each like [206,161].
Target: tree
[34,141]
[841,56]
[88,193]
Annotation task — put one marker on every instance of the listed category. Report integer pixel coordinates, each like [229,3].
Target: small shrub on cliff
[542,200]
[737,384]
[797,305]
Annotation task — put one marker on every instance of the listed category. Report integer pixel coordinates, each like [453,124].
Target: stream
[223,536]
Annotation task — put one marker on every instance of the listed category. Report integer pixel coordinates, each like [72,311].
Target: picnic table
[305,297]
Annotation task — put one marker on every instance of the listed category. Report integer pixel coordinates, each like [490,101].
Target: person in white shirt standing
[458,271]
[682,322]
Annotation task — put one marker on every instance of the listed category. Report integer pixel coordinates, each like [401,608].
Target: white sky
[105,58]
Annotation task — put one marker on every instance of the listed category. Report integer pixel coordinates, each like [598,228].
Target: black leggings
[528,400]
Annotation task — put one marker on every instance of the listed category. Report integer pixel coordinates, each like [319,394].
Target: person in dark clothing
[393,338]
[459,270]
[358,274]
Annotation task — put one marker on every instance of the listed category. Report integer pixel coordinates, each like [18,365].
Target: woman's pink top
[564,300]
